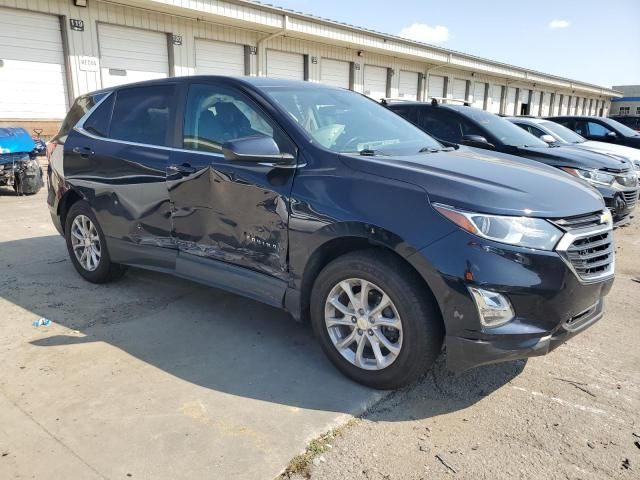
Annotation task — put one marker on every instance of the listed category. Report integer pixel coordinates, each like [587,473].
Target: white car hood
[621,150]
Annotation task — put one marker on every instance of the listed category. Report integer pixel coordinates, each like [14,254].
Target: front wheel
[374,319]
[87,247]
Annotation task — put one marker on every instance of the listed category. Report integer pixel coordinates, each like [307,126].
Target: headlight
[595,177]
[521,231]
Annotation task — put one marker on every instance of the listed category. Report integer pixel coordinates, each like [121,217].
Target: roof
[626,99]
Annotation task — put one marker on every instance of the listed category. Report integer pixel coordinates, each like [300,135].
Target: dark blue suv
[322,202]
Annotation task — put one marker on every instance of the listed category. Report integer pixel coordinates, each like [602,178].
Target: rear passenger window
[441,125]
[142,114]
[98,121]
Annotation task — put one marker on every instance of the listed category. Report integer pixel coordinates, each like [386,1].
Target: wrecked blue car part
[18,166]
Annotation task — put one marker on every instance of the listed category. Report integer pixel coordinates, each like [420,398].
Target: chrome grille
[587,246]
[579,221]
[630,198]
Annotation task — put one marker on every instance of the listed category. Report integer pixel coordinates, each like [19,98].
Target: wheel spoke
[77,246]
[394,322]
[346,287]
[334,321]
[375,346]
[362,340]
[335,302]
[365,287]
[348,340]
[77,234]
[94,258]
[394,349]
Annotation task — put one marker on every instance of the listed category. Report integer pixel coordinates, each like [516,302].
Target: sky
[593,41]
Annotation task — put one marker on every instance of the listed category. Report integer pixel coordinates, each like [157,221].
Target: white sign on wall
[88,64]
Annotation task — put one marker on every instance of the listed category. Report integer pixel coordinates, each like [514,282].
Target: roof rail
[437,100]
[387,101]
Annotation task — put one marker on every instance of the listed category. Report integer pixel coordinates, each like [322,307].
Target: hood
[612,149]
[496,183]
[15,140]
[576,157]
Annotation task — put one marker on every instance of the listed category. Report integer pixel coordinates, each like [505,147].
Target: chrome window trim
[567,240]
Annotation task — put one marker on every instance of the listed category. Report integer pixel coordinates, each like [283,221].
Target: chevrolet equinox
[320,201]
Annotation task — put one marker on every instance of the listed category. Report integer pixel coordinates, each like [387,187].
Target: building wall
[302,37]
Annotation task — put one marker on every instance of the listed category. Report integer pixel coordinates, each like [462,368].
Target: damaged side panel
[231,212]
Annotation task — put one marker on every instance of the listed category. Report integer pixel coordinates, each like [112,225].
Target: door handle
[84,152]
[184,169]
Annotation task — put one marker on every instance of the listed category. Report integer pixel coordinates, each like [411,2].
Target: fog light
[494,309]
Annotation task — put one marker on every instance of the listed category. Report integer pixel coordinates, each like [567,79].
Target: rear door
[228,211]
[118,159]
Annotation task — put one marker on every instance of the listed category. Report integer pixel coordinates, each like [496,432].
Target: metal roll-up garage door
[511,101]
[286,65]
[435,88]
[334,72]
[131,55]
[375,82]
[534,107]
[459,89]
[478,94]
[408,85]
[546,103]
[32,66]
[219,58]
[496,98]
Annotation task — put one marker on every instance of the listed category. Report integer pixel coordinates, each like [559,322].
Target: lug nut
[353,319]
[359,332]
[370,332]
[361,312]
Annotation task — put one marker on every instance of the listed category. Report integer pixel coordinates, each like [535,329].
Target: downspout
[262,57]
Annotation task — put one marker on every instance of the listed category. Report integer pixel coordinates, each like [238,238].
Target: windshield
[563,132]
[346,122]
[623,129]
[505,131]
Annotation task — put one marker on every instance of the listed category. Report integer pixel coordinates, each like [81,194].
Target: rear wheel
[374,319]
[86,246]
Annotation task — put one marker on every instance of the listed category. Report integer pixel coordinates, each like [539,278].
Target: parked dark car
[322,202]
[601,129]
[466,125]
[632,122]
[556,134]
[18,166]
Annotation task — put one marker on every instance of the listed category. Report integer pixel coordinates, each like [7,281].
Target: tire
[419,338]
[103,270]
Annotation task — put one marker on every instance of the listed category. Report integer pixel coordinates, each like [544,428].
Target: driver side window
[215,115]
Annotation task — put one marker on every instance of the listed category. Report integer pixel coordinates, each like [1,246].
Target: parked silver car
[555,133]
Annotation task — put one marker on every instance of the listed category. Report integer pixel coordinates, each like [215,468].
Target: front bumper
[620,203]
[551,303]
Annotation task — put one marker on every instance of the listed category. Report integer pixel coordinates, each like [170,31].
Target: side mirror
[547,138]
[256,149]
[611,135]
[476,141]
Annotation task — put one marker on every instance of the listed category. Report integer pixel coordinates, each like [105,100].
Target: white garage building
[51,51]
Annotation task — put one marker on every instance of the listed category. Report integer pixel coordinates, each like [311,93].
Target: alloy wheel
[85,242]
[363,324]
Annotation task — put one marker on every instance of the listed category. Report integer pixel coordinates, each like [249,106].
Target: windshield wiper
[429,150]
[367,152]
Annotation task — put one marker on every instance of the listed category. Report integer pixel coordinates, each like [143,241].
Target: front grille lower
[630,198]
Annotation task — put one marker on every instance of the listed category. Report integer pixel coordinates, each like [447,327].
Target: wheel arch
[67,200]
[347,238]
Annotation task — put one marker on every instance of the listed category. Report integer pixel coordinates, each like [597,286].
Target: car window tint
[597,130]
[78,110]
[441,124]
[98,121]
[217,114]
[142,114]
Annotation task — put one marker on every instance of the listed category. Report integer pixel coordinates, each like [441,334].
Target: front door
[229,211]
